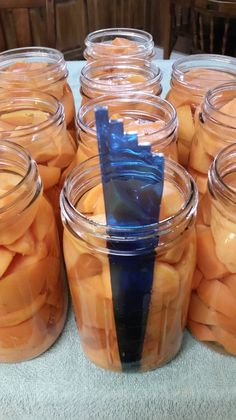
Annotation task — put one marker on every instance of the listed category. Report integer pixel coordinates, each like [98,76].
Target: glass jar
[33,300]
[215,128]
[119,43]
[104,77]
[91,255]
[212,313]
[153,118]
[36,121]
[191,78]
[38,68]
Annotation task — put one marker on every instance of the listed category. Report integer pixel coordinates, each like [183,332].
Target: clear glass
[191,78]
[89,243]
[36,121]
[153,118]
[215,128]
[104,77]
[33,299]
[38,68]
[212,313]
[118,43]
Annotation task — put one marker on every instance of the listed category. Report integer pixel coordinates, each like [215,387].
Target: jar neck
[222,177]
[198,86]
[99,44]
[53,69]
[27,100]
[139,107]
[16,165]
[87,175]
[103,77]
[215,99]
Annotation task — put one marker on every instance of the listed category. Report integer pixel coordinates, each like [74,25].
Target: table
[62,384]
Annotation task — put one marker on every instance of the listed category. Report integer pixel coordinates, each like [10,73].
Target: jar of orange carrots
[212,313]
[36,121]
[33,300]
[153,118]
[215,128]
[151,334]
[106,77]
[118,43]
[191,78]
[38,68]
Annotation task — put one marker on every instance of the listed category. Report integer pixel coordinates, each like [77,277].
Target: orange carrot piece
[216,295]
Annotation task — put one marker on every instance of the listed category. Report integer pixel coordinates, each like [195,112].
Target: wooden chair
[18,22]
[25,23]
[177,23]
[214,27]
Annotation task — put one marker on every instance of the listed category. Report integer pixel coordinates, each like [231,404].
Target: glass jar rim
[16,97]
[216,184]
[71,215]
[209,61]
[147,98]
[143,39]
[210,109]
[144,35]
[140,65]
[52,73]
[30,175]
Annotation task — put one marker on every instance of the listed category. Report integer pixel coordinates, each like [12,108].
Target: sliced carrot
[136,78]
[15,318]
[200,331]
[207,261]
[50,175]
[230,281]
[199,160]
[25,245]
[197,277]
[6,258]
[165,282]
[172,200]
[226,339]
[201,313]
[216,295]
[43,220]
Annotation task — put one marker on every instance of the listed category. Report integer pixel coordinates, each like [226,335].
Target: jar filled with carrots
[106,77]
[118,43]
[149,335]
[33,299]
[212,313]
[36,121]
[38,68]
[215,128]
[153,118]
[190,80]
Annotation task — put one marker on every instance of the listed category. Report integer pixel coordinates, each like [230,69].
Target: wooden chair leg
[168,35]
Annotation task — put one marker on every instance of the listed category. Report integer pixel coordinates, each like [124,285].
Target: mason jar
[118,43]
[212,313]
[36,121]
[215,129]
[33,300]
[191,78]
[38,68]
[153,118]
[141,327]
[106,77]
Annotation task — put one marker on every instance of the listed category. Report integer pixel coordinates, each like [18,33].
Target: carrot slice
[200,331]
[6,258]
[50,175]
[216,295]
[226,339]
[201,313]
[197,277]
[207,260]
[230,281]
